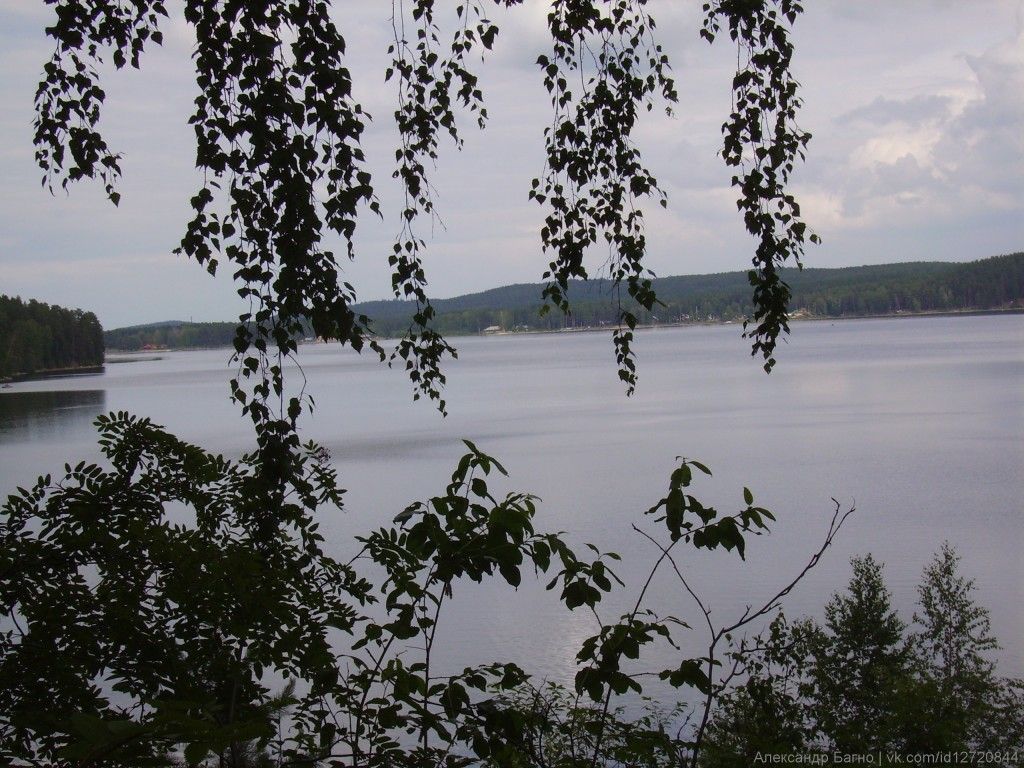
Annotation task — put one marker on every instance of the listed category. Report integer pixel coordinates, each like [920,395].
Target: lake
[918,422]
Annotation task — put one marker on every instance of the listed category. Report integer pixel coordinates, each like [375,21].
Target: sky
[916,109]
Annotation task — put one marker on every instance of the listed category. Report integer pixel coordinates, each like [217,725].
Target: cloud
[983,146]
[939,167]
[904,176]
[924,108]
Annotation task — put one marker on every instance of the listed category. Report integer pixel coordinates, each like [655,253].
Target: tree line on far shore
[36,337]
[886,289]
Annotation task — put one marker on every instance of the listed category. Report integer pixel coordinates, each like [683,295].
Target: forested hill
[37,337]
[932,286]
[992,283]
[170,334]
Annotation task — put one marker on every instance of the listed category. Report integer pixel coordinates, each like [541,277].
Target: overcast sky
[916,108]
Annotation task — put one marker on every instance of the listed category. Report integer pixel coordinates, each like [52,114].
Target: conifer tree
[861,664]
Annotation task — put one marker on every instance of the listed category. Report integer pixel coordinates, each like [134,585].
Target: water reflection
[916,422]
[27,417]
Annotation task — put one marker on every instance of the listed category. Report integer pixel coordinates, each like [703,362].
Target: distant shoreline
[606,328]
[930,313]
[797,319]
[53,373]
[142,356]
[117,356]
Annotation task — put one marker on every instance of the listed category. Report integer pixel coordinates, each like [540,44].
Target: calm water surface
[917,422]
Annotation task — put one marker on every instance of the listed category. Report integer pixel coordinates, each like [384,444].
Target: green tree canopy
[39,337]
